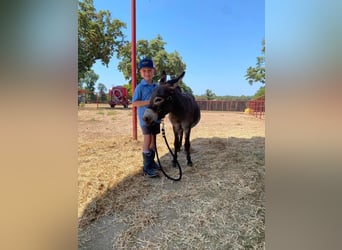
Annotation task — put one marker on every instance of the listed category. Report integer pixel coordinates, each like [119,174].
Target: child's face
[147,74]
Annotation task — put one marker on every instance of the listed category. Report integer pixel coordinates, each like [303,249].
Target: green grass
[111,113]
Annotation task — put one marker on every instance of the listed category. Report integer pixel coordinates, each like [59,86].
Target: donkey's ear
[162,78]
[177,80]
[181,76]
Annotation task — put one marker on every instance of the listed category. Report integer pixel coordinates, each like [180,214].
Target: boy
[141,99]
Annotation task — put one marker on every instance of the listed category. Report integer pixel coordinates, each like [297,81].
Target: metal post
[134,60]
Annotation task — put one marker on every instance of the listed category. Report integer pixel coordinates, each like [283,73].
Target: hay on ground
[218,204]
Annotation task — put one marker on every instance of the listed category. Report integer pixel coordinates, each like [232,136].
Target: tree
[260,92]
[257,73]
[99,36]
[185,88]
[170,62]
[89,79]
[129,90]
[209,95]
[102,92]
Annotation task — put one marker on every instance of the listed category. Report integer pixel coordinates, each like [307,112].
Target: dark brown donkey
[182,108]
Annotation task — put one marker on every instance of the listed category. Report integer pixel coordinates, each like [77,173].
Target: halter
[159,110]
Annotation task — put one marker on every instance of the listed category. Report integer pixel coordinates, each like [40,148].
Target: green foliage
[170,62]
[209,95]
[129,90]
[260,92]
[185,88]
[225,98]
[99,36]
[102,92]
[234,98]
[257,73]
[111,113]
[89,79]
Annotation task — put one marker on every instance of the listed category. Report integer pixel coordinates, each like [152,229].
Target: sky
[216,39]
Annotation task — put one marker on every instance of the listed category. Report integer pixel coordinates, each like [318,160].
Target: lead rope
[167,144]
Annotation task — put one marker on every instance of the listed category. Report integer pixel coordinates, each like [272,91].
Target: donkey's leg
[180,140]
[187,146]
[176,145]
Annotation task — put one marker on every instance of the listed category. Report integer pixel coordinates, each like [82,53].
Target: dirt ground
[218,204]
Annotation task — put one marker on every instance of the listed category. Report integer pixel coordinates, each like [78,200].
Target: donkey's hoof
[174,164]
[189,163]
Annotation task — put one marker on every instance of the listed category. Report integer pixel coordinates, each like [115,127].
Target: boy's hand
[140,103]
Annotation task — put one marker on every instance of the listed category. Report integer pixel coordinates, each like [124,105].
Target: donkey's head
[162,99]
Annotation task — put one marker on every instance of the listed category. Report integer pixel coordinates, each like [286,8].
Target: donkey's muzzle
[150,117]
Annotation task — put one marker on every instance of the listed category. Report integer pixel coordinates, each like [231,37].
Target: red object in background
[258,107]
[118,96]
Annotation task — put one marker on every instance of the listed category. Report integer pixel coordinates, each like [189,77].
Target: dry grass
[218,204]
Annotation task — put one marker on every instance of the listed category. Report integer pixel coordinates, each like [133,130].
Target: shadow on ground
[218,203]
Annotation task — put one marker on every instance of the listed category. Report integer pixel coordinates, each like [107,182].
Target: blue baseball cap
[146,63]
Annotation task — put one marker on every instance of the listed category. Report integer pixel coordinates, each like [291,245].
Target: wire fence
[254,107]
[257,107]
[223,105]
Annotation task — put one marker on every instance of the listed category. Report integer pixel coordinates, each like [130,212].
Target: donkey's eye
[158,100]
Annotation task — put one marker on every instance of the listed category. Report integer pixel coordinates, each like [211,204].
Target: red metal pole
[134,63]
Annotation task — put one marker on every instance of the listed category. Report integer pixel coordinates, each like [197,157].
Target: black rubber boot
[149,165]
[154,164]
